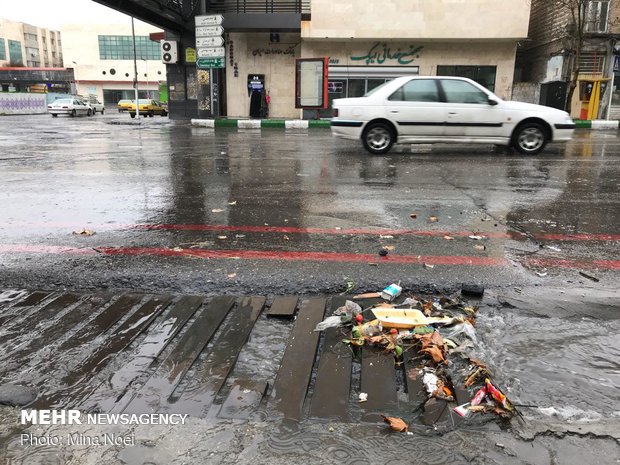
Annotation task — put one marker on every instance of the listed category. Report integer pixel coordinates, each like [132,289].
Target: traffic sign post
[211,52]
[209,31]
[209,20]
[207,63]
[211,56]
[202,42]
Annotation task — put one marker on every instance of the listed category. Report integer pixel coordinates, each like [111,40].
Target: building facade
[29,46]
[366,45]
[102,58]
[548,56]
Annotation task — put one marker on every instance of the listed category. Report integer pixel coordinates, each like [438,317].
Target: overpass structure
[269,18]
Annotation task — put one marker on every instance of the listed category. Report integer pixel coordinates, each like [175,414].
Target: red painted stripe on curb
[573,264]
[451,260]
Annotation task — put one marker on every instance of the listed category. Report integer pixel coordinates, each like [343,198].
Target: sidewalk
[261,123]
[325,124]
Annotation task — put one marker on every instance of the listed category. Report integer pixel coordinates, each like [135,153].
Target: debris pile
[434,335]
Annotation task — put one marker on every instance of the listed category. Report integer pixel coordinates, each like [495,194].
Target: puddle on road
[564,365]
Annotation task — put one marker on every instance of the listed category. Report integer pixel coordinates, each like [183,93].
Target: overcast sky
[52,14]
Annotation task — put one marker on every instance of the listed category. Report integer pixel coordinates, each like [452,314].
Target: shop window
[417,90]
[483,75]
[356,88]
[462,92]
[373,84]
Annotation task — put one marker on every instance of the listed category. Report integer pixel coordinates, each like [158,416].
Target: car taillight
[335,113]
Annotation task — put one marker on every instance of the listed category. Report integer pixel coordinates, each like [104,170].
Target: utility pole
[135,69]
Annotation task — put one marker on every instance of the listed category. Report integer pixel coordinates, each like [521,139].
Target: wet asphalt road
[191,210]
[195,210]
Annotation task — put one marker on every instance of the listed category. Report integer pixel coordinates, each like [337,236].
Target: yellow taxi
[123,105]
[147,107]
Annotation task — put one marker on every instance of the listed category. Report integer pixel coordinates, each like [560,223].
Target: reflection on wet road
[162,190]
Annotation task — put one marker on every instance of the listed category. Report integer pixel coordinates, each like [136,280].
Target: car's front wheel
[89,113]
[378,138]
[529,138]
[102,111]
[54,115]
[73,112]
[133,115]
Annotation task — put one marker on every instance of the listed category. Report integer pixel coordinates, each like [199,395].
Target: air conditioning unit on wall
[169,51]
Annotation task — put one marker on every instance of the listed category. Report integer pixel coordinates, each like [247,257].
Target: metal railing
[259,6]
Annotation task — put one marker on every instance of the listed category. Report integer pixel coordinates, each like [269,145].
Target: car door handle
[453,113]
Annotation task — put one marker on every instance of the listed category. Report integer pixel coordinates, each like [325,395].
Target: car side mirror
[492,101]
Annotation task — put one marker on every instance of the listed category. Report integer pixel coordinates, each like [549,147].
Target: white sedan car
[96,105]
[435,109]
[69,106]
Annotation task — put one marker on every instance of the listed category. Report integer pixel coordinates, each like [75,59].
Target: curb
[260,123]
[597,124]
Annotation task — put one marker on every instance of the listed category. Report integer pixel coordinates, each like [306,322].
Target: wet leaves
[396,424]
[433,345]
[84,232]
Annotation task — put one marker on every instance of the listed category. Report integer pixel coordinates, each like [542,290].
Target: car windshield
[63,100]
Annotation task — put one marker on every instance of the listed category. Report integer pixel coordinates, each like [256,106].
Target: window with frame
[2,49]
[121,48]
[417,90]
[15,52]
[597,16]
[463,92]
[483,75]
[592,62]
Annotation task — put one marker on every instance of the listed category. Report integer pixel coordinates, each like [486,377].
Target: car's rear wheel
[378,138]
[151,114]
[89,112]
[54,115]
[529,138]
[133,115]
[102,111]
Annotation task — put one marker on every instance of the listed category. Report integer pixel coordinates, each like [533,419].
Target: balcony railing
[259,6]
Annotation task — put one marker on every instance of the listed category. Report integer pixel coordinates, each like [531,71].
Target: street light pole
[135,69]
[146,75]
[75,77]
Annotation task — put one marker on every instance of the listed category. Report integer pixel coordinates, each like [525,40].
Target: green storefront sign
[206,63]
